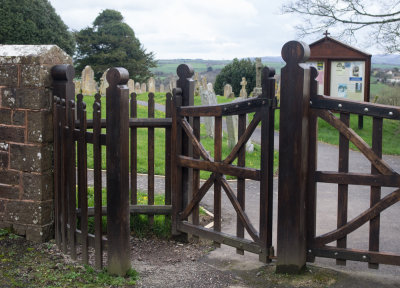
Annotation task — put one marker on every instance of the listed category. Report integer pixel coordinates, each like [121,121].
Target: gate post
[183,96]
[187,84]
[117,123]
[293,152]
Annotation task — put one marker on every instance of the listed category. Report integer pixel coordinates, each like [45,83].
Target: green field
[252,159]
[169,66]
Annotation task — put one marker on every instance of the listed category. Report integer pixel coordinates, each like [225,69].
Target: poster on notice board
[348,79]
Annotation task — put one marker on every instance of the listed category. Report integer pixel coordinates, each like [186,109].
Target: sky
[204,29]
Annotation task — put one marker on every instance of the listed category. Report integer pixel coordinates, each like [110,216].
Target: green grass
[27,264]
[160,98]
[390,134]
[252,159]
[139,224]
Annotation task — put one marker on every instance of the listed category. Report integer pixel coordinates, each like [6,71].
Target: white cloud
[209,29]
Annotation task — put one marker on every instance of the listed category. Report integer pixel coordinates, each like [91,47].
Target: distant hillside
[168,66]
[386,59]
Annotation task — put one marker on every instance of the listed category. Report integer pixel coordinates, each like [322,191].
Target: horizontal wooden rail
[358,179]
[88,137]
[136,122]
[135,209]
[234,108]
[356,255]
[219,167]
[221,237]
[349,106]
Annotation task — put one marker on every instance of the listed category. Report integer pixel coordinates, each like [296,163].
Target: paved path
[326,212]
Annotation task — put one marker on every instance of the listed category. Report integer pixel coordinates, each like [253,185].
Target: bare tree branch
[349,17]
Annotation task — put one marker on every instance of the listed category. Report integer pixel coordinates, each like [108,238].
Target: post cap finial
[184,71]
[63,72]
[268,72]
[295,51]
[117,76]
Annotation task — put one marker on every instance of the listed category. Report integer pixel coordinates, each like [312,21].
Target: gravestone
[137,88]
[257,91]
[131,86]
[208,98]
[232,129]
[151,85]
[162,88]
[103,83]
[78,86]
[243,92]
[227,90]
[89,85]
[210,87]
[172,84]
[143,87]
[197,84]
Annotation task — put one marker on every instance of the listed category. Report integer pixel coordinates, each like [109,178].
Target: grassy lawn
[328,134]
[139,223]
[252,159]
[160,98]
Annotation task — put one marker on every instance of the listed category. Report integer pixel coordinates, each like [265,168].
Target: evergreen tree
[112,43]
[33,22]
[232,74]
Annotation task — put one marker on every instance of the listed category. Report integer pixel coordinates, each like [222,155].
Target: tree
[380,19]
[112,43]
[232,74]
[33,22]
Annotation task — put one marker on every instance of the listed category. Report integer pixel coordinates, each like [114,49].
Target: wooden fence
[300,107]
[70,160]
[297,205]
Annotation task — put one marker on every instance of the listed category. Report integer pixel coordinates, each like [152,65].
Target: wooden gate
[187,163]
[300,108]
[382,175]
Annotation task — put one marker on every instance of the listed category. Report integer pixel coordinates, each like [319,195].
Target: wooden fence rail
[73,132]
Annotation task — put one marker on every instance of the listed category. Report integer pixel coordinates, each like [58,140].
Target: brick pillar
[26,138]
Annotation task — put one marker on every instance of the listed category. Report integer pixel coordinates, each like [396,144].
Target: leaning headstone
[151,85]
[137,88]
[208,98]
[78,86]
[131,86]
[143,87]
[232,129]
[162,89]
[89,85]
[210,87]
[227,90]
[257,91]
[243,92]
[103,83]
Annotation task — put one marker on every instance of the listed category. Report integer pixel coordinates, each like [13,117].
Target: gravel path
[326,218]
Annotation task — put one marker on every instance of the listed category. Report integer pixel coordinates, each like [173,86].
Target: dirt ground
[159,263]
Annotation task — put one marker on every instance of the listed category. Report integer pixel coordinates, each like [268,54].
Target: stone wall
[26,138]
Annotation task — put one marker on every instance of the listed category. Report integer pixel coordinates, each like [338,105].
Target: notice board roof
[330,48]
